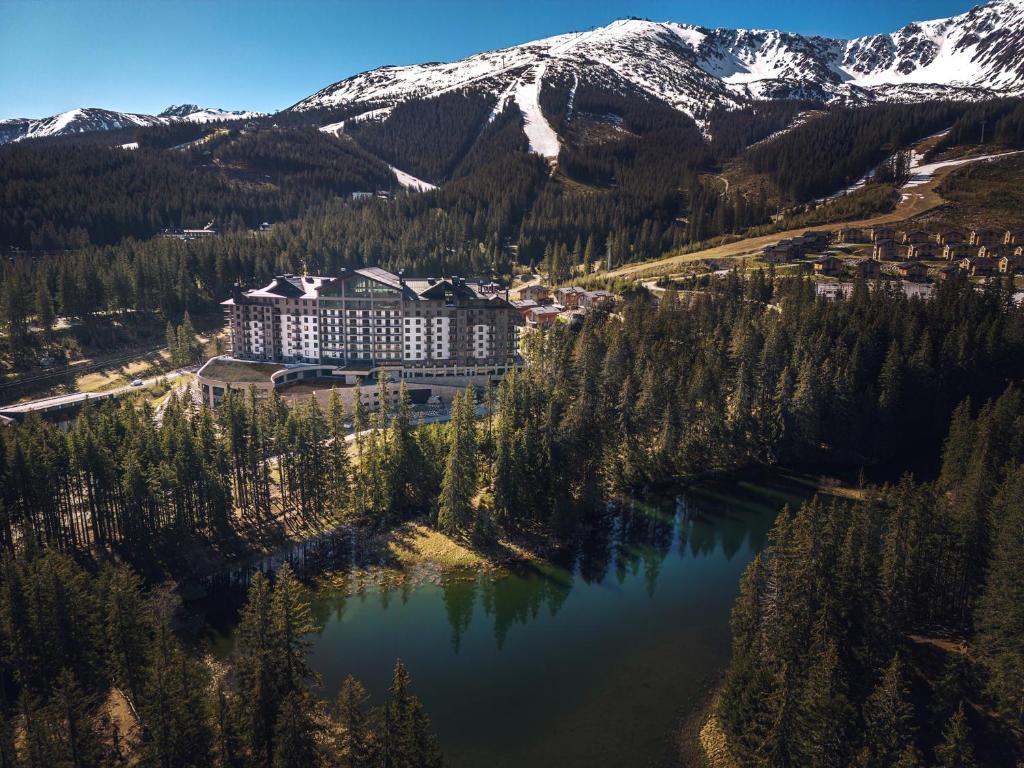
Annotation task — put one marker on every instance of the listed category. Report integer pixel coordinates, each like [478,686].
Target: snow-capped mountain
[81,120]
[978,53]
[90,119]
[193,113]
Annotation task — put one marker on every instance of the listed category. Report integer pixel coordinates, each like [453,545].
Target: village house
[851,235]
[949,237]
[523,306]
[976,267]
[923,250]
[915,236]
[867,268]
[986,236]
[957,251]
[816,240]
[541,316]
[947,273]
[828,266]
[597,299]
[885,250]
[992,251]
[879,234]
[1014,237]
[1008,265]
[536,292]
[569,297]
[802,245]
[779,253]
[914,271]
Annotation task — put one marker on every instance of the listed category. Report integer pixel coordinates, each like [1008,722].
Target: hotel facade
[364,321]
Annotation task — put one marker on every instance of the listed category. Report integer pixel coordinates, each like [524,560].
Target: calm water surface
[592,661]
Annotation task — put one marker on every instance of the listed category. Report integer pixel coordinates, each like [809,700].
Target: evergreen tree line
[835,620]
[94,675]
[751,371]
[832,151]
[998,121]
[734,130]
[182,343]
[57,197]
[427,138]
[502,206]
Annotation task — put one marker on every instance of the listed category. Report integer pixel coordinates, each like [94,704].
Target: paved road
[63,401]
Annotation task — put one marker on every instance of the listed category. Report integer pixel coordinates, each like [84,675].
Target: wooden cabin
[882,233]
[986,236]
[779,253]
[914,236]
[914,271]
[851,235]
[924,250]
[1014,237]
[828,266]
[816,240]
[885,250]
[957,251]
[868,268]
[949,236]
[976,267]
[992,251]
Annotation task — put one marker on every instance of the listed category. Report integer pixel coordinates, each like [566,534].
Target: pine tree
[257,674]
[824,713]
[44,304]
[1001,610]
[338,465]
[407,739]
[888,717]
[459,485]
[295,742]
[173,707]
[292,622]
[956,750]
[353,740]
[78,745]
[125,628]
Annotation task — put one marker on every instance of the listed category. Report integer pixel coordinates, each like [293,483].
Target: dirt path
[914,202]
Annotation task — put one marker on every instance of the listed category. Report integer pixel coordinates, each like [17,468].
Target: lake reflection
[588,660]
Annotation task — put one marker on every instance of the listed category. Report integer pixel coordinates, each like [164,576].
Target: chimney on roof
[401,277]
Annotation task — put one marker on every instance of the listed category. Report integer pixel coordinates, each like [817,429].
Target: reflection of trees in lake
[459,594]
[643,538]
[519,597]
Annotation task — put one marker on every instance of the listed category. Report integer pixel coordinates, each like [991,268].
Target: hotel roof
[310,287]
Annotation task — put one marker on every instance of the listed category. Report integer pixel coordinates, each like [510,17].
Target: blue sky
[142,55]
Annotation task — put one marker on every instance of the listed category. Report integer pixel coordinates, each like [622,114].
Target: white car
[137,382]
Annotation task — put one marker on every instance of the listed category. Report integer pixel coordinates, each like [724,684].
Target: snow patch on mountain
[409,181]
[922,174]
[542,137]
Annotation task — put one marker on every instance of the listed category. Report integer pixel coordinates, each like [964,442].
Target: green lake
[592,661]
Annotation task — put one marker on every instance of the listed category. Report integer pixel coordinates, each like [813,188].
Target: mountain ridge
[94,119]
[692,68]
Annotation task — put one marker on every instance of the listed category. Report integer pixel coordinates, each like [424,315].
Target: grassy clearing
[101,381]
[415,544]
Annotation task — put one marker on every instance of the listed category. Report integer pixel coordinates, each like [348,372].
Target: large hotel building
[369,318]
